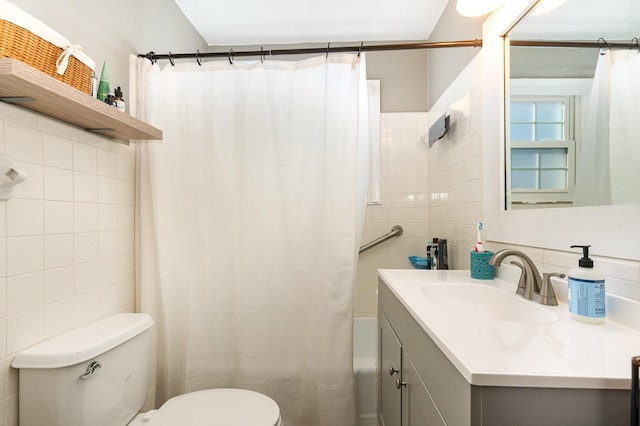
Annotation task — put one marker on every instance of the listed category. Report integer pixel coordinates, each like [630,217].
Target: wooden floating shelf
[34,90]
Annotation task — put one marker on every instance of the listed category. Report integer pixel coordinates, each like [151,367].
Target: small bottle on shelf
[120,104]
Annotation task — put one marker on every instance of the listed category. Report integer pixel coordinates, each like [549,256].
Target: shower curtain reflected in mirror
[608,157]
[249,215]
[624,125]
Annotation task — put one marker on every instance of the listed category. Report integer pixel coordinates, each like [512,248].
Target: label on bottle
[586,297]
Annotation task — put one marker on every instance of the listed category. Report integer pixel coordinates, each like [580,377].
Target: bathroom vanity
[458,351]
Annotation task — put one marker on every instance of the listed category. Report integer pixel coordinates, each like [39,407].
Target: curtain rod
[601,43]
[153,57]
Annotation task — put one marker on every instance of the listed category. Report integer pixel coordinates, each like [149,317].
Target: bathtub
[364,369]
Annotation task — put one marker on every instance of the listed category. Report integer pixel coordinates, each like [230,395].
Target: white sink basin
[482,302]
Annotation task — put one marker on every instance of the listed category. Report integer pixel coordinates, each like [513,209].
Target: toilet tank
[92,376]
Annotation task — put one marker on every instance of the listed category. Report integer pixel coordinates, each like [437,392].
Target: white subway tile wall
[455,167]
[403,202]
[431,192]
[66,236]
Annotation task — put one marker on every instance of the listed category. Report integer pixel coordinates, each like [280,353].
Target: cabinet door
[389,367]
[418,408]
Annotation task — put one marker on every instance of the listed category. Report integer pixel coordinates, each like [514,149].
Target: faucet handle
[522,282]
[547,294]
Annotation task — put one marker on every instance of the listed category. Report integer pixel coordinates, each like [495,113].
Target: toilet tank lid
[82,344]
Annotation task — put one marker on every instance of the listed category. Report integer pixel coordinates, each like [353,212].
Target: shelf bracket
[100,130]
[16,99]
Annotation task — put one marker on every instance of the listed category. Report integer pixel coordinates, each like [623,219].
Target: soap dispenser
[586,290]
[434,260]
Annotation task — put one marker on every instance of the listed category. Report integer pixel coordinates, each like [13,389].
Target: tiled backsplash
[66,236]
[622,276]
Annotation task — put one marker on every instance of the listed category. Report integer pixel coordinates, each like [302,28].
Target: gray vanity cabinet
[428,389]
[418,409]
[431,392]
[403,399]
[389,367]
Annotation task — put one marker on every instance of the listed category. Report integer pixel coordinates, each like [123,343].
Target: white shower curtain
[248,225]
[608,155]
[593,181]
[624,126]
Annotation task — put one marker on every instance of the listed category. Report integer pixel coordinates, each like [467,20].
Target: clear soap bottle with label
[586,290]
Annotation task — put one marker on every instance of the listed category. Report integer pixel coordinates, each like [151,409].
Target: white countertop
[558,352]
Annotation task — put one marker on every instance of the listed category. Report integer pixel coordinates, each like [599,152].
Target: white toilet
[97,375]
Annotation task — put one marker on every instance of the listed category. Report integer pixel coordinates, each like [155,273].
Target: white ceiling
[584,20]
[579,20]
[259,22]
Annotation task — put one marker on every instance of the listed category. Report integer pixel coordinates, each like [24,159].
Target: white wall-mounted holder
[10,176]
[459,109]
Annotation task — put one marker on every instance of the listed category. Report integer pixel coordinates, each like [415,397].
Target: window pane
[524,179]
[524,158]
[550,111]
[549,132]
[522,111]
[522,132]
[553,179]
[553,158]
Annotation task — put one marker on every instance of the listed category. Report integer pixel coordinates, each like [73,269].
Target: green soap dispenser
[586,290]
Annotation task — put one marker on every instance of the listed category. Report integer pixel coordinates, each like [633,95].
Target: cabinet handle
[400,384]
[393,370]
[635,391]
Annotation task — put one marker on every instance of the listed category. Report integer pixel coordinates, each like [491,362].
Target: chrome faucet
[530,285]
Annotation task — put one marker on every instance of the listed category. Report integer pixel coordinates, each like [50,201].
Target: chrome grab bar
[396,231]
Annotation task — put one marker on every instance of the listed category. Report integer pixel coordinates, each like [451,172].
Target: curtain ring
[605,45]
[261,55]
[171,60]
[360,48]
[231,56]
[198,57]
[637,43]
[151,56]
[328,46]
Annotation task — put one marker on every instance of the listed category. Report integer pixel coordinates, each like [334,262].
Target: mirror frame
[557,229]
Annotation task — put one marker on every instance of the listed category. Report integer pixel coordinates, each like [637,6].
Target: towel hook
[231,56]
[198,57]
[360,48]
[171,59]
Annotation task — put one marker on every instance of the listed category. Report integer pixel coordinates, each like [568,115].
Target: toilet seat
[224,407]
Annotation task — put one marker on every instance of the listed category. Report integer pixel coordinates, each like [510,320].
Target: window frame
[542,196]
[546,196]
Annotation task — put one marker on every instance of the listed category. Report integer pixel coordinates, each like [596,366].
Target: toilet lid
[224,407]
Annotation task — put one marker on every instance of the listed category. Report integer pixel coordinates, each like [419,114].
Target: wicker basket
[21,44]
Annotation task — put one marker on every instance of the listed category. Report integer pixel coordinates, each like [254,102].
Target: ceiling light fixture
[473,8]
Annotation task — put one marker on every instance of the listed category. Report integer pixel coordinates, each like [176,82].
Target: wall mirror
[612,229]
[572,121]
